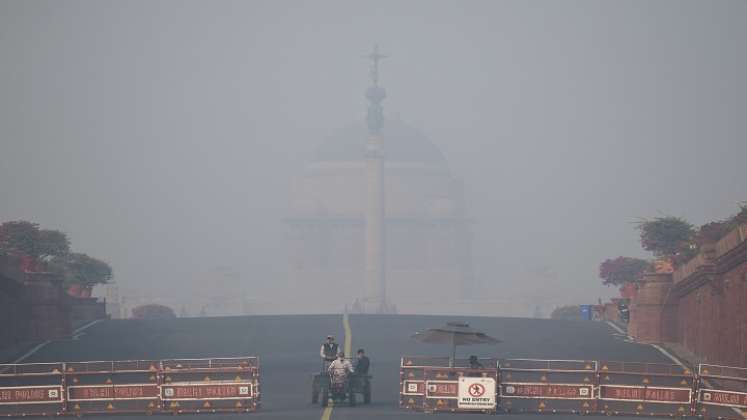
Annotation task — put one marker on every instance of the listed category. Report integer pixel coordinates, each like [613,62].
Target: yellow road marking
[347,348]
[327,413]
[348,336]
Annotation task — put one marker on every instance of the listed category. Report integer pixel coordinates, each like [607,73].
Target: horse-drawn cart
[339,387]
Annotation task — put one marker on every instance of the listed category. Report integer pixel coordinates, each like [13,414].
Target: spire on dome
[375,94]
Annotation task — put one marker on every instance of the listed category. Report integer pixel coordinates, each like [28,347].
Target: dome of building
[402,143]
[379,214]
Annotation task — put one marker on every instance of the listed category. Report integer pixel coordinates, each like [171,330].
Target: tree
[18,238]
[571,312]
[740,217]
[25,239]
[51,243]
[153,311]
[713,231]
[667,236]
[77,268]
[621,270]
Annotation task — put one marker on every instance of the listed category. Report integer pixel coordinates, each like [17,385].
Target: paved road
[288,348]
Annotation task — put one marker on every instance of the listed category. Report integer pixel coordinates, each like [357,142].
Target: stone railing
[732,240]
[710,253]
[686,270]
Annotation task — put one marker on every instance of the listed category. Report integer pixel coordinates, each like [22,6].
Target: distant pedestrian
[362,365]
[474,363]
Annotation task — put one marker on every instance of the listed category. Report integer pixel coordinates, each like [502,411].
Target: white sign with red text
[476,393]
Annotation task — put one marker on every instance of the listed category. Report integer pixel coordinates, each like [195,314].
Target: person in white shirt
[339,370]
[340,367]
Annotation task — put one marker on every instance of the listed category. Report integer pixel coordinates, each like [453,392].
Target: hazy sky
[162,136]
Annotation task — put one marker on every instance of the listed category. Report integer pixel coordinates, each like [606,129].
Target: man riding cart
[328,351]
[340,381]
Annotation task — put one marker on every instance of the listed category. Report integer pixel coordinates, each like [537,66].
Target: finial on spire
[375,94]
[375,57]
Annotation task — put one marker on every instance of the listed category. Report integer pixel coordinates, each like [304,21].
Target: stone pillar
[375,228]
[611,310]
[653,314]
[113,308]
[49,306]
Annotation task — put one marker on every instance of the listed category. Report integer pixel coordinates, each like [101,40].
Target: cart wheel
[325,397]
[367,394]
[315,389]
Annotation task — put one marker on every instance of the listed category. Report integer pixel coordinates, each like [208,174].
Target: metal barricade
[429,384]
[645,389]
[210,385]
[129,386]
[35,389]
[460,389]
[412,382]
[722,392]
[547,386]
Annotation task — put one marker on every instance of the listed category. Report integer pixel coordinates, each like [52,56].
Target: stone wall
[33,306]
[702,306]
[611,312]
[13,314]
[712,319]
[50,316]
[85,310]
[652,311]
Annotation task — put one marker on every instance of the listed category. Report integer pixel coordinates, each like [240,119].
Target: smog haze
[164,137]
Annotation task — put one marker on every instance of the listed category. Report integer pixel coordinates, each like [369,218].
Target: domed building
[423,234]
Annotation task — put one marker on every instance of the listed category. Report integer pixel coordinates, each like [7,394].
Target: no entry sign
[476,393]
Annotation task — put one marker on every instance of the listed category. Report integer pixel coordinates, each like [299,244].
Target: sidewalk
[12,353]
[690,359]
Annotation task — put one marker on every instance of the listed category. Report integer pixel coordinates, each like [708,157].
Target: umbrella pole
[452,359]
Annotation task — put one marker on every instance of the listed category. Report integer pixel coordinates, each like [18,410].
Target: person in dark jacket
[328,351]
[474,363]
[362,365]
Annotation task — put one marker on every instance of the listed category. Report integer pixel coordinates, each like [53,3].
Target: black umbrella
[456,334]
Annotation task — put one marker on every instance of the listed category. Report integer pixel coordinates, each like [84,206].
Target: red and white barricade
[547,386]
[210,385]
[130,386]
[645,389]
[578,386]
[722,392]
[429,384]
[136,386]
[32,389]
